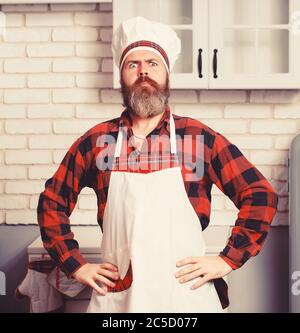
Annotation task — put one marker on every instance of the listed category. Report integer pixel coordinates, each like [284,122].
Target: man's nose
[143,73]
[143,70]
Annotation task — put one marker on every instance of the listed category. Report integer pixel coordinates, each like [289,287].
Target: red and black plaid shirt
[224,165]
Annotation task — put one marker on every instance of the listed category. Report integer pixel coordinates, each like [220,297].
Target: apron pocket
[123,284]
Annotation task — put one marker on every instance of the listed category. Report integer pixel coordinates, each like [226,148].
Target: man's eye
[153,63]
[132,65]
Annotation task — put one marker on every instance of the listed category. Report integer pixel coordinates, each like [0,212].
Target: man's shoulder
[192,126]
[90,139]
[105,127]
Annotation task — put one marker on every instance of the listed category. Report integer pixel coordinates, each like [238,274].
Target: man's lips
[146,83]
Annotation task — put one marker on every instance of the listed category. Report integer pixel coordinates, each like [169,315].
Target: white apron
[149,222]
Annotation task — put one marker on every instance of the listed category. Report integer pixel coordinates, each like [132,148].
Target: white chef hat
[138,33]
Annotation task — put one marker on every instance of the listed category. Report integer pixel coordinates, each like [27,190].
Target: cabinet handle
[200,63]
[215,63]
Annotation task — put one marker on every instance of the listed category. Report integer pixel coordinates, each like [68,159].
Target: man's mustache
[146,79]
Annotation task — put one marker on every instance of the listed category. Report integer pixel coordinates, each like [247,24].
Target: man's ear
[121,77]
[121,80]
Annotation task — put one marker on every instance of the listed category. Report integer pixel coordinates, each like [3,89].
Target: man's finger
[104,280]
[188,260]
[192,276]
[109,274]
[187,270]
[94,285]
[109,266]
[201,282]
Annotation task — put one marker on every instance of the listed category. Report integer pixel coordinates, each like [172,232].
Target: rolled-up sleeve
[55,206]
[251,193]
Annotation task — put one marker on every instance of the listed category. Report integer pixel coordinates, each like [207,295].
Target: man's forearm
[57,237]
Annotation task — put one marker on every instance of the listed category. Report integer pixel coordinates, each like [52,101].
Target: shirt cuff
[232,264]
[70,265]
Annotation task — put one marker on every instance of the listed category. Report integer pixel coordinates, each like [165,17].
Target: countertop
[89,239]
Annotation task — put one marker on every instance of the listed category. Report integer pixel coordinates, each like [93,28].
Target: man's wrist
[228,261]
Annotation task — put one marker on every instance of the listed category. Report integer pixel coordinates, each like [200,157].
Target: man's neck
[143,126]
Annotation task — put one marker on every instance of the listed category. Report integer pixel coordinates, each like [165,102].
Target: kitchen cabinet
[232,44]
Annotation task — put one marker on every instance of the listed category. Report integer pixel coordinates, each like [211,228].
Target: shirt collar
[125,119]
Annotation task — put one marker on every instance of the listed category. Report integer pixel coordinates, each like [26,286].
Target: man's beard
[145,100]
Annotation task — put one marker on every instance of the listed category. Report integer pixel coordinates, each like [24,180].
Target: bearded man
[153,255]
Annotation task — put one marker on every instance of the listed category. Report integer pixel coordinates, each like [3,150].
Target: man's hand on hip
[89,274]
[205,268]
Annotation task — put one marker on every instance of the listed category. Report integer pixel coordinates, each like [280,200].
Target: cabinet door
[254,44]
[190,21]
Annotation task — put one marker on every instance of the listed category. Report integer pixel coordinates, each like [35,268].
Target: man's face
[144,84]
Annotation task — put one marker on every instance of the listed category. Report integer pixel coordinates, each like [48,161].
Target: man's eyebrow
[137,61]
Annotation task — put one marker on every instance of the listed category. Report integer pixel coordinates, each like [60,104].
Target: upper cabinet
[226,44]
[256,44]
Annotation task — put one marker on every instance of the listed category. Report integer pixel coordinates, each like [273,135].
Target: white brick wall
[56,82]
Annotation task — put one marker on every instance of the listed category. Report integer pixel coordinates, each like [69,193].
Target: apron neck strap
[172,135]
[172,138]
